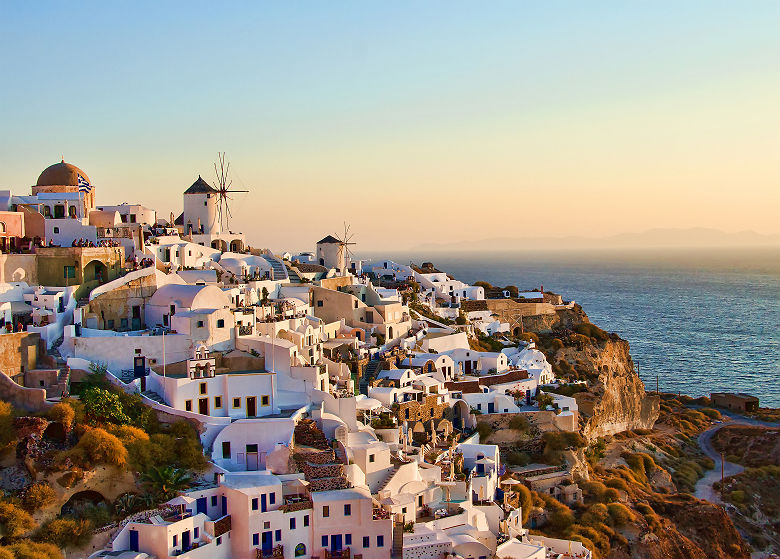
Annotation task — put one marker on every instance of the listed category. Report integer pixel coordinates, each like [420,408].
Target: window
[236,402]
[371,458]
[324,541]
[403,510]
[292,523]
[199,324]
[265,400]
[219,540]
[300,550]
[173,310]
[175,540]
[188,405]
[272,498]
[56,229]
[347,539]
[278,535]
[202,387]
[266,525]
[306,521]
[110,324]
[347,510]
[123,323]
[419,500]
[255,503]
[366,542]
[255,539]
[380,541]
[325,511]
[214,497]
[319,303]
[226,449]
[221,323]
[69,272]
[218,401]
[196,532]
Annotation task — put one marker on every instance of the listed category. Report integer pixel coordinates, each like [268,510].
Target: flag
[84,185]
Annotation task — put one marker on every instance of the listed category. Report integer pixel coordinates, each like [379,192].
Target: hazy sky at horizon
[495,119]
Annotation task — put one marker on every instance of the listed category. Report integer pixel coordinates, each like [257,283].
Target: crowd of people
[100,243]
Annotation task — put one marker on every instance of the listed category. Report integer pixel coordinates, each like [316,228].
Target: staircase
[154,396]
[372,369]
[280,271]
[293,275]
[398,539]
[63,378]
[388,478]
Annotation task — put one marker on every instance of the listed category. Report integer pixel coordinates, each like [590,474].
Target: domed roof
[61,174]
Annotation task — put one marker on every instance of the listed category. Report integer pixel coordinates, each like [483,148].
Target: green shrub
[737,497]
[65,532]
[617,483]
[515,458]
[98,446]
[38,496]
[14,520]
[62,413]
[484,430]
[711,413]
[7,430]
[26,549]
[102,406]
[595,515]
[519,423]
[591,331]
[620,514]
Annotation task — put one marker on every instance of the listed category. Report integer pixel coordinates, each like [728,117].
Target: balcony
[276,553]
[294,503]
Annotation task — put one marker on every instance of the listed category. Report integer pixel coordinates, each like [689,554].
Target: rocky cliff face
[616,399]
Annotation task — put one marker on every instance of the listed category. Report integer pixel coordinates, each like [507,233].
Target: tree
[103,406]
[38,496]
[265,295]
[166,481]
[98,446]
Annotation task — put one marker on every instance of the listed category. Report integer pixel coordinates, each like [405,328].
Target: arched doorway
[95,271]
[236,246]
[80,500]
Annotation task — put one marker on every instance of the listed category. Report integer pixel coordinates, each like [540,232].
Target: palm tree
[167,481]
[126,504]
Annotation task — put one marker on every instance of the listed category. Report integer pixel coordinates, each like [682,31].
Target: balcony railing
[276,552]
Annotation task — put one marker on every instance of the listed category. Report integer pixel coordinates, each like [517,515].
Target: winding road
[704,488]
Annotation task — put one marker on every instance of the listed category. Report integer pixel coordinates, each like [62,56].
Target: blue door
[263,503]
[268,543]
[224,505]
[185,541]
[335,543]
[134,540]
[491,407]
[201,505]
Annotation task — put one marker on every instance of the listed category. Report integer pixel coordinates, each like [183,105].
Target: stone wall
[29,399]
[421,411]
[19,352]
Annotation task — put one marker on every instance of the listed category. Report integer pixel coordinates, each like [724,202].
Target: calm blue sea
[702,321]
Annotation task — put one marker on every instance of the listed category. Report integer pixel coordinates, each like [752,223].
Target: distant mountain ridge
[695,237]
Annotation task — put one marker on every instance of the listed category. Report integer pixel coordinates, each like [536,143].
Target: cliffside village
[336,399]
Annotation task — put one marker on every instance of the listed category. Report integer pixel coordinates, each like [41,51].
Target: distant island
[695,237]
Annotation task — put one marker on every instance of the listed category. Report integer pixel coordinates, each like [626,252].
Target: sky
[430,121]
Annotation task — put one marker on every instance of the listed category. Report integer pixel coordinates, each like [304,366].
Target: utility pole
[721,471]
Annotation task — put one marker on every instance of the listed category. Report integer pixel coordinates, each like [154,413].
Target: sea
[698,320]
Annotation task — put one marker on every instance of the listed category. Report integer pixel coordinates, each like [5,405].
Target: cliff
[616,399]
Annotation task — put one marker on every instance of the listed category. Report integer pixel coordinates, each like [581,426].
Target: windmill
[223,190]
[345,241]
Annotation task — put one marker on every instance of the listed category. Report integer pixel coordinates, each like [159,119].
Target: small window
[196,533]
[225,450]
[347,510]
[366,542]
[110,324]
[236,402]
[175,540]
[306,521]
[278,535]
[199,324]
[319,303]
[221,323]
[380,541]
[266,525]
[348,539]
[265,400]
[56,229]
[219,540]
[255,503]
[123,323]
[69,272]
[325,511]
[202,387]
[403,510]
[272,498]
[214,500]
[324,541]
[218,402]
[188,405]
[371,458]
[255,539]
[292,523]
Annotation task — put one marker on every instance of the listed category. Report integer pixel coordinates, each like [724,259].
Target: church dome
[61,174]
